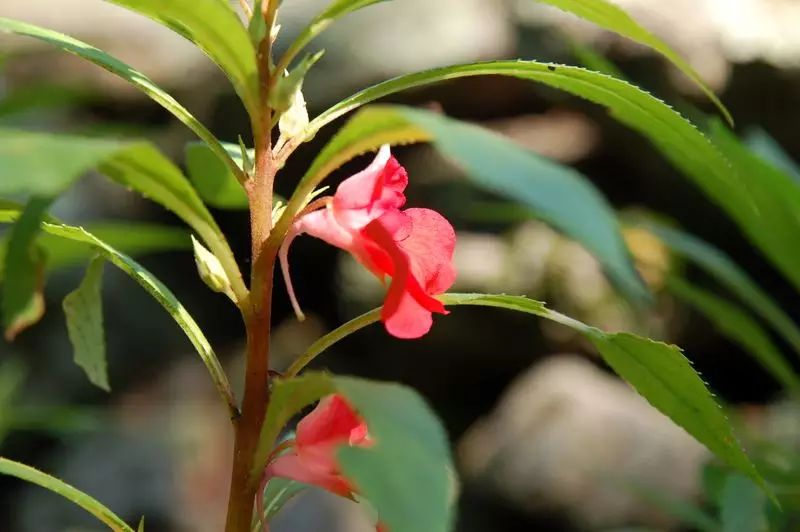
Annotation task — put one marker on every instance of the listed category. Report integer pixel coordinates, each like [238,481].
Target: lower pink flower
[312,458]
[414,246]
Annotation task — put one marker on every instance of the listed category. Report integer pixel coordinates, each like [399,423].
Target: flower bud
[211,270]
[295,119]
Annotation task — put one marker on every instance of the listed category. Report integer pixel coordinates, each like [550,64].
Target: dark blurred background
[545,437]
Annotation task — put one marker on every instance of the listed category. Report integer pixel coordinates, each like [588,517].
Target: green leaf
[593,60]
[658,371]
[731,276]
[40,97]
[164,297]
[216,29]
[83,308]
[41,164]
[143,168]
[676,137]
[257,27]
[278,492]
[131,237]
[137,165]
[417,496]
[770,151]
[124,71]
[737,325]
[663,376]
[407,475]
[770,216]
[215,183]
[340,8]
[140,528]
[743,506]
[611,17]
[23,271]
[287,86]
[555,193]
[88,503]
[12,377]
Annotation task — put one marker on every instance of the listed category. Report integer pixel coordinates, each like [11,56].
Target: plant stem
[244,484]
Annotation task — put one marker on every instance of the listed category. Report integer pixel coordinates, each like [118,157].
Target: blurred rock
[568,436]
[565,136]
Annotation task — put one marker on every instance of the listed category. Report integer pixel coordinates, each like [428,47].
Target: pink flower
[414,246]
[312,458]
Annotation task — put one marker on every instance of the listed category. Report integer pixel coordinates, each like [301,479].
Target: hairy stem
[244,484]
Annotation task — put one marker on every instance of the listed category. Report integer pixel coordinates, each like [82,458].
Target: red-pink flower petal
[331,422]
[292,466]
[370,193]
[430,246]
[407,309]
[312,460]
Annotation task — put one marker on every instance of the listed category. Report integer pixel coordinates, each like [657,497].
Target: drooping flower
[414,246]
[312,457]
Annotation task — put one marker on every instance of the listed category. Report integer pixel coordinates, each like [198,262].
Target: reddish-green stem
[244,484]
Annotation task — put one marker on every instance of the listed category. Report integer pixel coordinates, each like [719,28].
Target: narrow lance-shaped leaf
[726,272]
[131,238]
[277,493]
[215,183]
[138,165]
[743,506]
[83,308]
[766,147]
[59,487]
[23,271]
[773,221]
[214,27]
[558,194]
[126,72]
[658,371]
[609,16]
[40,164]
[165,298]
[736,324]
